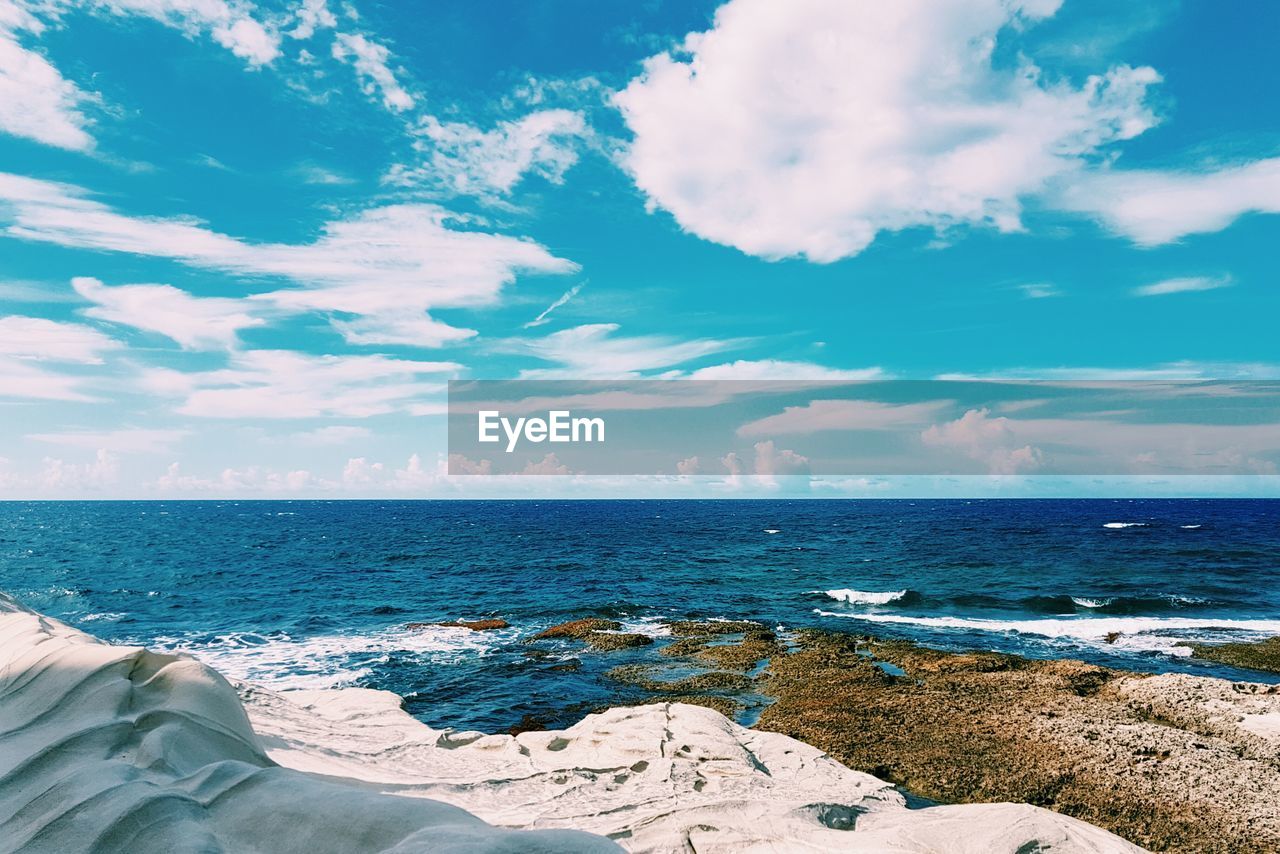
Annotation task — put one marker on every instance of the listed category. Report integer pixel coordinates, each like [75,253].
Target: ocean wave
[866,597]
[1115,525]
[1189,527]
[100,617]
[329,661]
[1164,634]
[1138,605]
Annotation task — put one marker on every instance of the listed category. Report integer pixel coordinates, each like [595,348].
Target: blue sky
[243,246]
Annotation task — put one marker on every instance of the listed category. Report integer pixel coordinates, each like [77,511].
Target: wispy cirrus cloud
[36,101]
[1157,207]
[371,61]
[239,27]
[388,265]
[1039,290]
[335,434]
[124,441]
[779,369]
[37,339]
[560,301]
[1182,285]
[824,415]
[193,322]
[462,158]
[39,102]
[593,351]
[35,354]
[275,384]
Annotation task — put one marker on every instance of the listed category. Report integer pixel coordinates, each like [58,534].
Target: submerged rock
[647,677]
[706,641]
[487,625]
[596,632]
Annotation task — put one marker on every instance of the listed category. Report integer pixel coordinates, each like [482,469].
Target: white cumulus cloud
[806,128]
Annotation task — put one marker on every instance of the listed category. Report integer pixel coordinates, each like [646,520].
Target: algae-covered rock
[616,640]
[1257,655]
[486,625]
[578,629]
[1173,763]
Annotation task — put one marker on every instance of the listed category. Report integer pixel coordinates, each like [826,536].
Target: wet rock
[578,629]
[475,625]
[706,641]
[692,628]
[616,640]
[1120,750]
[573,665]
[1259,655]
[646,677]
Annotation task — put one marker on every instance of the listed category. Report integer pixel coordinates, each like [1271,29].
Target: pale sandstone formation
[117,749]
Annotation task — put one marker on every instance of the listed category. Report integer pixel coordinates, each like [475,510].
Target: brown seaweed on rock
[578,629]
[1258,655]
[486,625]
[1151,758]
[616,640]
[705,640]
[598,633]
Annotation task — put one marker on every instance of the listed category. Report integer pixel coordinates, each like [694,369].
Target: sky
[244,246]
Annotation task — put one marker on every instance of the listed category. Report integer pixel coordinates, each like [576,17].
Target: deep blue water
[317,594]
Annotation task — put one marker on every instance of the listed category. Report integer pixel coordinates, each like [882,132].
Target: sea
[321,594]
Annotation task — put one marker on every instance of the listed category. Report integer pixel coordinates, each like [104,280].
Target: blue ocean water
[319,594]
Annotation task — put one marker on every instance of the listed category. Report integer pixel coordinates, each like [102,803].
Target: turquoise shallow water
[318,594]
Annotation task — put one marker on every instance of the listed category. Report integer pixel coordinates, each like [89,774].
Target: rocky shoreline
[1171,762]
[120,749]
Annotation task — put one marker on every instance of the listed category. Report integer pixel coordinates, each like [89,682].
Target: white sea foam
[1162,634]
[654,627]
[1086,602]
[330,661]
[772,531]
[864,597]
[1189,527]
[101,617]
[1124,525]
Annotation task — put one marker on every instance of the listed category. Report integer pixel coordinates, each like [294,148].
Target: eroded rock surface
[1172,762]
[110,749]
[117,749]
